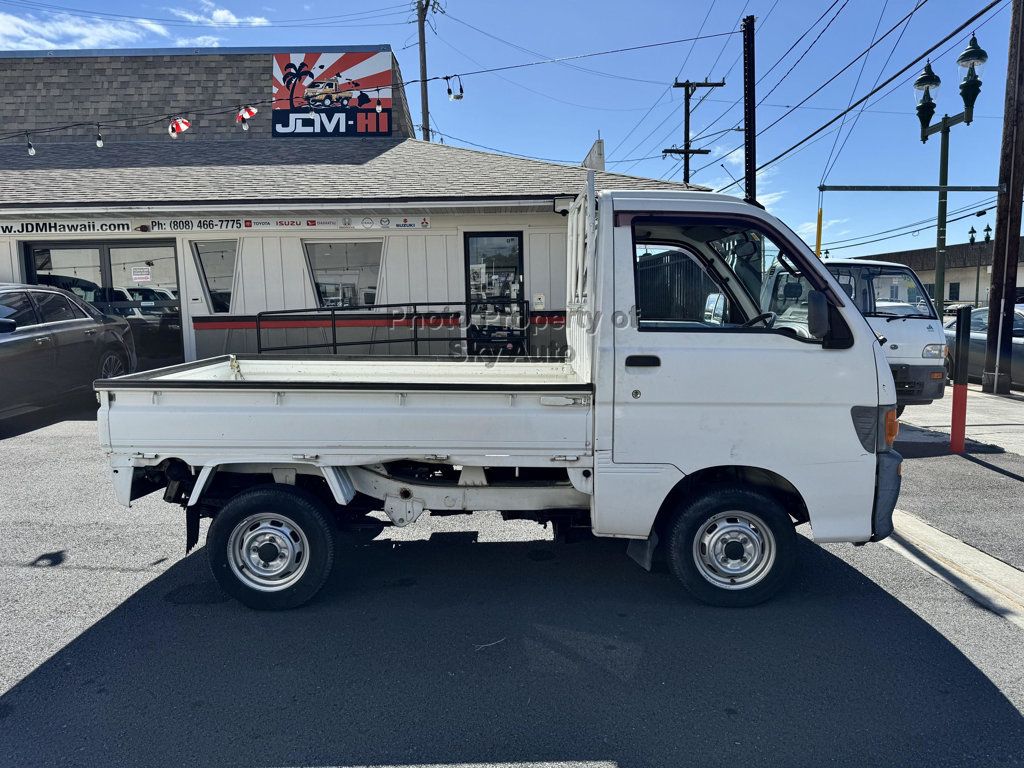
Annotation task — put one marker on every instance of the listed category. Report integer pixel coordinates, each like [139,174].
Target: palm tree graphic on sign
[293,75]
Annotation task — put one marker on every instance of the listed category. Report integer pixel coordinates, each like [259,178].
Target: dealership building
[134,185]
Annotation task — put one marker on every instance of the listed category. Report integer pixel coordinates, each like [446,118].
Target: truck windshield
[884,291]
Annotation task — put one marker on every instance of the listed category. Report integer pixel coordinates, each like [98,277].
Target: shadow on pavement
[921,443]
[448,652]
[77,408]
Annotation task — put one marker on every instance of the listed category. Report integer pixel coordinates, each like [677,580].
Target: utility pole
[1006,248]
[686,151]
[422,6]
[749,117]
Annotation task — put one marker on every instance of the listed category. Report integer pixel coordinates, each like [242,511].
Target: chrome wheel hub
[112,366]
[734,550]
[268,552]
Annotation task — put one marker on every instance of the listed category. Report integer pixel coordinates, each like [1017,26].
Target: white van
[899,309]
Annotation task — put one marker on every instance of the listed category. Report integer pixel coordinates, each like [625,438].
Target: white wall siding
[10,269]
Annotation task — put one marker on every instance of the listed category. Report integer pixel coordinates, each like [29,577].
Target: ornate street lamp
[972,61]
[926,84]
[971,232]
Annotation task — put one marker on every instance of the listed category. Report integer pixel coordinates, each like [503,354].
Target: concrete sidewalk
[996,420]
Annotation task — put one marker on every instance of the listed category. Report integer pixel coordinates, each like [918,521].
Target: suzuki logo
[894,346]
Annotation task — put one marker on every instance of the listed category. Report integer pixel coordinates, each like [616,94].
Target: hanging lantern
[379,107]
[245,114]
[178,125]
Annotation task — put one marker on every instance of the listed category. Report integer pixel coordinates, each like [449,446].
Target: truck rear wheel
[732,547]
[271,547]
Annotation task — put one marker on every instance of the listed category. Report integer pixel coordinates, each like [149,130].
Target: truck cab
[899,309]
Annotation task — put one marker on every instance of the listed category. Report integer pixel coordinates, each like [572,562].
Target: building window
[345,273]
[954,291]
[216,261]
[930,287]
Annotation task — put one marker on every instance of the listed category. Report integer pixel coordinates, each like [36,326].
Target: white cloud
[59,30]
[203,41]
[210,14]
[808,229]
[769,199]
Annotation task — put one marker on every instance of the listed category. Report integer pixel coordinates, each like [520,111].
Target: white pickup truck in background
[707,435]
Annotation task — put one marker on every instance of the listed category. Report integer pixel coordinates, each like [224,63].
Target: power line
[871,93]
[668,88]
[903,234]
[770,69]
[807,50]
[536,53]
[985,203]
[831,163]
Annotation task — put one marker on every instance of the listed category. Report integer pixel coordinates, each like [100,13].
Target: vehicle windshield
[878,291]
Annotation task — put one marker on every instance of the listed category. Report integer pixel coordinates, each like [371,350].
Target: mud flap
[191,528]
[641,551]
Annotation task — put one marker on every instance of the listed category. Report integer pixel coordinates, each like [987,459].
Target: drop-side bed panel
[349,411]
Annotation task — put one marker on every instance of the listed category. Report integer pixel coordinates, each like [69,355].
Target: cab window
[714,276]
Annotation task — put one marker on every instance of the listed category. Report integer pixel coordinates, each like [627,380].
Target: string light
[380,107]
[245,114]
[31,149]
[457,95]
[178,125]
[99,137]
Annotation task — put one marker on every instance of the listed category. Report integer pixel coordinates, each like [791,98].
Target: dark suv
[53,344]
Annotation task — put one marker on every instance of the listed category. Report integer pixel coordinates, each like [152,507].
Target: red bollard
[958,426]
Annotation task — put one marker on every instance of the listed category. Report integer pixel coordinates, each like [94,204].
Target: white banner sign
[212,224]
[142,274]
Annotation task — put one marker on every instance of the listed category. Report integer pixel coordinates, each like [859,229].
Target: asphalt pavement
[470,641]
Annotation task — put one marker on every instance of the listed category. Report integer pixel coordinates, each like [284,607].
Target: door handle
[90,332]
[643,361]
[42,340]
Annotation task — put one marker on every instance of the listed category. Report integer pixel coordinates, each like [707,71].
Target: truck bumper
[918,384]
[888,478]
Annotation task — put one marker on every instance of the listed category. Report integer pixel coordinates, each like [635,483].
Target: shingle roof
[281,170]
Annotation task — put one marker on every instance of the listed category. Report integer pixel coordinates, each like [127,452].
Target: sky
[556,110]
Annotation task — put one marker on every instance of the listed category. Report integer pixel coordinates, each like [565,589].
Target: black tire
[764,524]
[112,363]
[899,410]
[277,514]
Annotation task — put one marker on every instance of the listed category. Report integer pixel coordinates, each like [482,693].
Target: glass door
[136,281]
[498,314]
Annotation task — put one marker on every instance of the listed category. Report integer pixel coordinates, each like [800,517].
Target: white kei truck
[701,437]
[900,311]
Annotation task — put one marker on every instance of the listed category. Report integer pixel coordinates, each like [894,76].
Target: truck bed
[338,412]
[290,372]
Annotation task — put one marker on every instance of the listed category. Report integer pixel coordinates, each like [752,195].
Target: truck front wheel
[732,547]
[271,547]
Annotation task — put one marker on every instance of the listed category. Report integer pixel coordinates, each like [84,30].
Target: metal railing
[514,335]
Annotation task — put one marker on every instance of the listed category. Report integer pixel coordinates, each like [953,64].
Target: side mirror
[817,314]
[7,325]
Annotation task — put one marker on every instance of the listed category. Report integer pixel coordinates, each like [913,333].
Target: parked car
[979,337]
[53,344]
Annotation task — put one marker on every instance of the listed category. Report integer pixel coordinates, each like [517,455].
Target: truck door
[716,366]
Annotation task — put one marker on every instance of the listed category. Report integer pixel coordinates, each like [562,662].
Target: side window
[694,274]
[53,308]
[979,321]
[216,260]
[345,274]
[1018,324]
[673,288]
[17,307]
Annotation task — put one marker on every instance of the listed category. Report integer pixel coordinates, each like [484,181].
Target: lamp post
[926,85]
[977,265]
